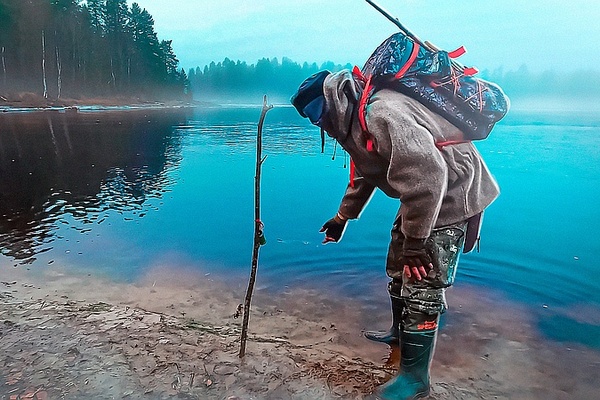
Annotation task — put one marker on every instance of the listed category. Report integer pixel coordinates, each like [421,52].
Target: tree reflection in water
[55,164]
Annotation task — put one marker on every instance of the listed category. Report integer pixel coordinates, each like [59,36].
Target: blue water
[124,194]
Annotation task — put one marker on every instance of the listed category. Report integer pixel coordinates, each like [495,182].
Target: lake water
[123,192]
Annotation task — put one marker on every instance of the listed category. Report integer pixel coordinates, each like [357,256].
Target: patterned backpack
[432,77]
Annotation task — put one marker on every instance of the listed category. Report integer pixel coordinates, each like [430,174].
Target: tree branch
[259,238]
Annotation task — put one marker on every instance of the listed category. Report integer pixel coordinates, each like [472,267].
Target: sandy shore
[175,334]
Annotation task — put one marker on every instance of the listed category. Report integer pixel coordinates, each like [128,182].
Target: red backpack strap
[369,89]
[439,145]
[457,53]
[413,56]
[352,172]
[468,71]
[362,106]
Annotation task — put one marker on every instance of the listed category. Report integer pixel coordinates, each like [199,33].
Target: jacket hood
[341,92]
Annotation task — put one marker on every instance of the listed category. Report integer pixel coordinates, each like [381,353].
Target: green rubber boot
[415,360]
[392,335]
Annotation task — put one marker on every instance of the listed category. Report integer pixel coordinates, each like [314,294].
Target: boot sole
[386,340]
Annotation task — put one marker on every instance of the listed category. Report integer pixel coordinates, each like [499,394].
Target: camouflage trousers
[425,300]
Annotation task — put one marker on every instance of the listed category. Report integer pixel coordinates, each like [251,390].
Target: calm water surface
[124,192]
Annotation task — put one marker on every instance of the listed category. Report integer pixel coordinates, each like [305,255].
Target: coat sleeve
[357,196]
[416,171]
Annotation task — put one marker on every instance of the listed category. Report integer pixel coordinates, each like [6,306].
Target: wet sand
[176,334]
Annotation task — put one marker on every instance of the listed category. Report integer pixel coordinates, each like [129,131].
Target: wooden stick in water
[259,238]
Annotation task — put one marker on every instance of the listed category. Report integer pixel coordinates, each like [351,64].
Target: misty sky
[560,35]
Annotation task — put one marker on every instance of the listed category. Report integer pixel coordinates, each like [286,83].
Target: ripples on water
[123,192]
[73,168]
[215,135]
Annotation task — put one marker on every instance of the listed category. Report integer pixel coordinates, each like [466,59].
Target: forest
[239,81]
[70,49]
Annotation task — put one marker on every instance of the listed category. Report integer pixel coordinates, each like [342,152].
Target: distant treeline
[235,80]
[63,48]
[525,83]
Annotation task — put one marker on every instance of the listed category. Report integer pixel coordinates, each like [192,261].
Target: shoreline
[30,102]
[174,334]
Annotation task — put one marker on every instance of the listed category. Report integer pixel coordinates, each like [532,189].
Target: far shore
[31,102]
[34,102]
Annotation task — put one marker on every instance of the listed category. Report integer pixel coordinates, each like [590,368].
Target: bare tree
[4,65]
[44,65]
[58,72]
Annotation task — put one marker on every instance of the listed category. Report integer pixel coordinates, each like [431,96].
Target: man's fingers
[323,229]
[328,239]
[416,273]
[414,267]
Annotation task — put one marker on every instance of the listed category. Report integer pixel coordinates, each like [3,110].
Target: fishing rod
[414,37]
[397,22]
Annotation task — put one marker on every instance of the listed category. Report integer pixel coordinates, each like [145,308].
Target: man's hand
[415,260]
[334,229]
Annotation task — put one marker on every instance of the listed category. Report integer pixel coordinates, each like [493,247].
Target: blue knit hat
[309,100]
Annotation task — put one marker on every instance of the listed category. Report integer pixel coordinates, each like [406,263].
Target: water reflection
[233,131]
[54,164]
[74,189]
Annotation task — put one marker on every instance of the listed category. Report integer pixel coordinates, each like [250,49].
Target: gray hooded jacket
[436,186]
